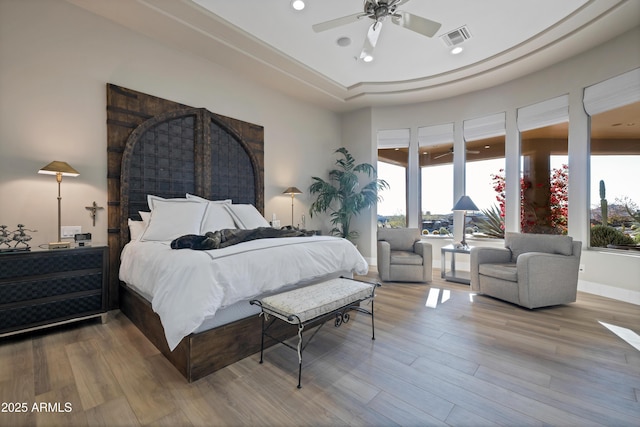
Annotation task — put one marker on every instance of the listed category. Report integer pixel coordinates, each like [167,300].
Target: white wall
[615,275]
[55,62]
[358,138]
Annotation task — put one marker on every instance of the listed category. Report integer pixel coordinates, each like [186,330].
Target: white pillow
[136,228]
[145,216]
[216,218]
[151,200]
[202,199]
[246,216]
[171,219]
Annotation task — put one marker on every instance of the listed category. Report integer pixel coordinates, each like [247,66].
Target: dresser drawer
[47,286]
[28,316]
[51,262]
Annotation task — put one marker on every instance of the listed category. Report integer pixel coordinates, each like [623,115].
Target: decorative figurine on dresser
[4,237]
[19,236]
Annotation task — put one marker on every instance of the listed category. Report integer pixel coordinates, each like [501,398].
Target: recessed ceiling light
[456,50]
[297,4]
[343,41]
[368,58]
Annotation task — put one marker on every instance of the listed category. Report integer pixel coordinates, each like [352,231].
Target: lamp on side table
[292,191]
[59,169]
[464,204]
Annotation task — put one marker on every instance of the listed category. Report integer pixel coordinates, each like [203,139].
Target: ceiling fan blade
[371,40]
[338,22]
[442,155]
[416,23]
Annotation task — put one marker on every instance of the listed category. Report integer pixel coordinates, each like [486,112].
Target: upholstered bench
[313,304]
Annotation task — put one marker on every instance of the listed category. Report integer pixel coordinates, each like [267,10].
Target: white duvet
[187,285]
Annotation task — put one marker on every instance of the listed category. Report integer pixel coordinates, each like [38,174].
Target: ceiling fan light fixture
[378,11]
[297,4]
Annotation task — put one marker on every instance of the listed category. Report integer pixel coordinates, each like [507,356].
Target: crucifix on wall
[93,211]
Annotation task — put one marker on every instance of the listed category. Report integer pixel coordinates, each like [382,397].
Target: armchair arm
[547,279]
[485,255]
[425,250]
[384,259]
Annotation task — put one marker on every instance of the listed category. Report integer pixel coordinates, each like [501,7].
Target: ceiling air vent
[457,36]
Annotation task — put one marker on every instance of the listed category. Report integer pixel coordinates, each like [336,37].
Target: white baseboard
[626,295]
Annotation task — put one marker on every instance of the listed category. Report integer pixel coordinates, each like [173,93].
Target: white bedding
[186,285]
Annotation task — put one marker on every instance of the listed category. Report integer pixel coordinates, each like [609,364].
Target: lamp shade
[465,204]
[292,191]
[57,167]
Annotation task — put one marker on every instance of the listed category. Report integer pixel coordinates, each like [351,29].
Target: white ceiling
[268,41]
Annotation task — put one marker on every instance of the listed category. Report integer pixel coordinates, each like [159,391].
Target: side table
[43,288]
[454,275]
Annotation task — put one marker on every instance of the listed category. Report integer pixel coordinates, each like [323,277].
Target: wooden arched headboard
[160,147]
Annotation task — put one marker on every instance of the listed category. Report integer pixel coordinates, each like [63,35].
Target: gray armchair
[533,270]
[403,256]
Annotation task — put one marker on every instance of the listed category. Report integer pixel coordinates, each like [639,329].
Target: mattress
[188,288]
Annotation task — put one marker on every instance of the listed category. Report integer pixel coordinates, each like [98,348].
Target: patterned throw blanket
[232,236]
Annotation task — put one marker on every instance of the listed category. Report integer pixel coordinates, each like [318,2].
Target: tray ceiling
[274,44]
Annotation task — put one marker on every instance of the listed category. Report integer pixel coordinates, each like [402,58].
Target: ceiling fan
[378,11]
[450,152]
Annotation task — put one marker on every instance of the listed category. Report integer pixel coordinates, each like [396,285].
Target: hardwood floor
[461,360]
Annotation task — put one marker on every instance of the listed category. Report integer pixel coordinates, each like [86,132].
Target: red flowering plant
[558,204]
[558,198]
[499,186]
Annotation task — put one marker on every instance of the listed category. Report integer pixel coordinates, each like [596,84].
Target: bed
[170,154]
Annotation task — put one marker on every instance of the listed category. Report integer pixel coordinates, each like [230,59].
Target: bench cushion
[312,301]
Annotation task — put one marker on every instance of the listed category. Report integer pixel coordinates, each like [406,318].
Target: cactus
[603,204]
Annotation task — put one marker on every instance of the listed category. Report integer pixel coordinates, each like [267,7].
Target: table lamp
[293,191]
[464,204]
[59,169]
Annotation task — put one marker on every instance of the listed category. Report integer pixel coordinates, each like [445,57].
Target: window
[485,145]
[614,107]
[436,170]
[615,158]
[393,158]
[392,209]
[544,139]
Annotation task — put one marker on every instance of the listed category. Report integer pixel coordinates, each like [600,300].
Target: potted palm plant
[343,196]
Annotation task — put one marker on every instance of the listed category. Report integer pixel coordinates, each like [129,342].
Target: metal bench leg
[373,330]
[262,337]
[300,328]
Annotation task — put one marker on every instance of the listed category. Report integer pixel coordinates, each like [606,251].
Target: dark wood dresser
[43,288]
